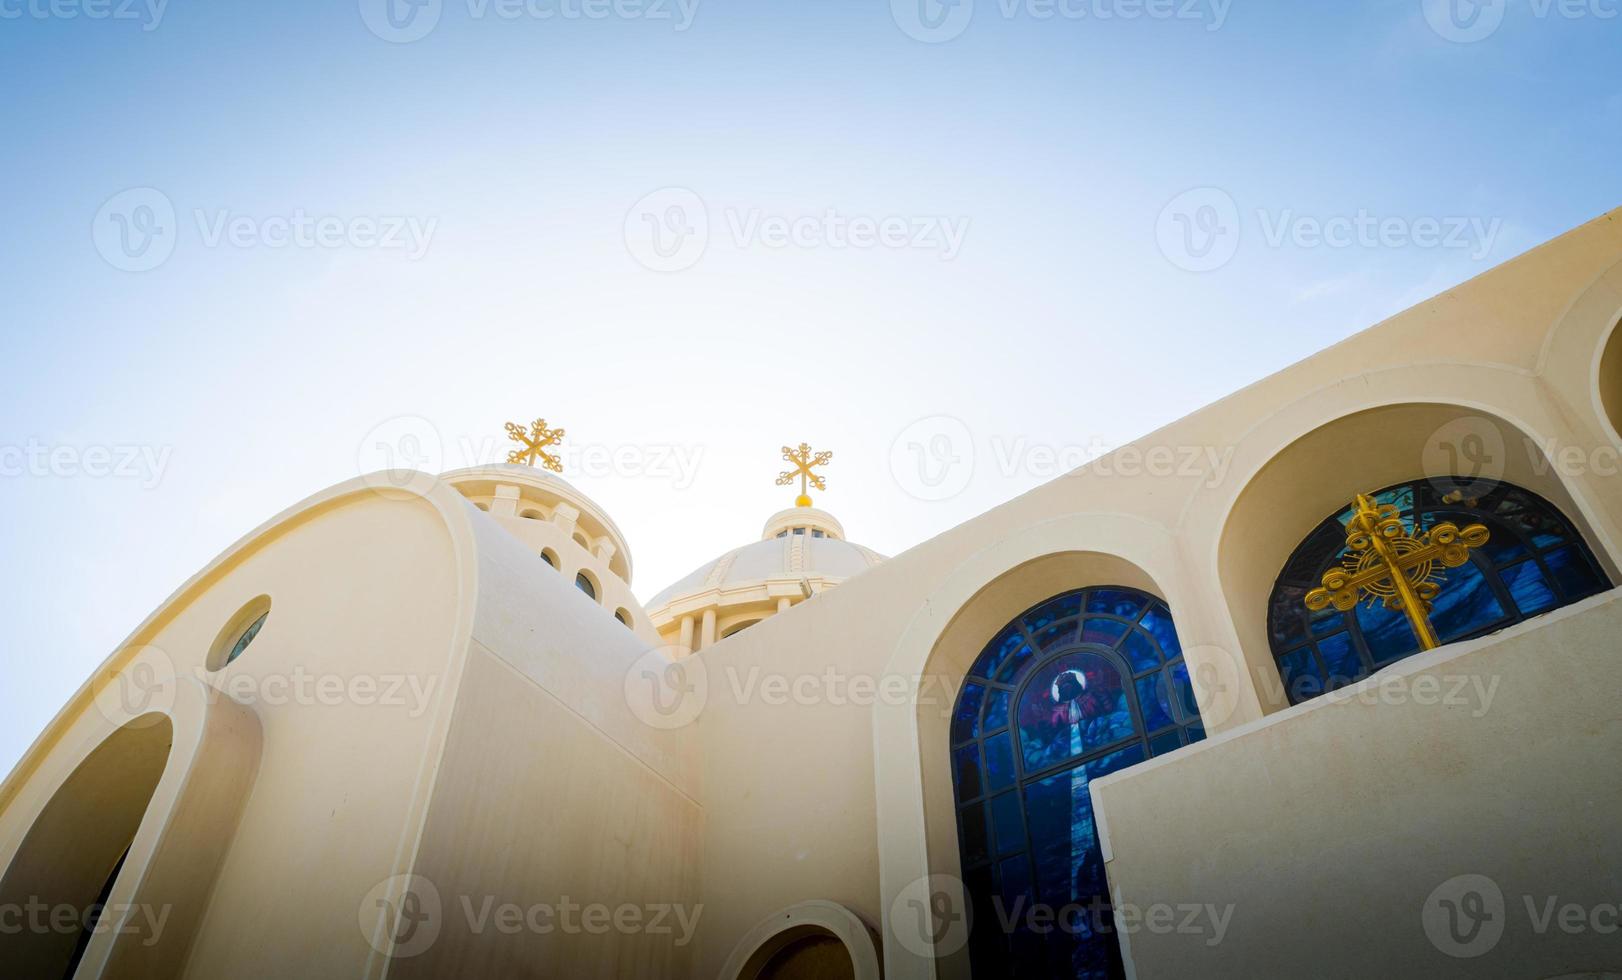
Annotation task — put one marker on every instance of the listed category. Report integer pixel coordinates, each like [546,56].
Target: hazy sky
[246,245]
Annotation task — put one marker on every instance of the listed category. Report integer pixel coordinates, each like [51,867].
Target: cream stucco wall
[1322,832]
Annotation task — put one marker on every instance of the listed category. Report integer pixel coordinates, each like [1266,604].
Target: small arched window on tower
[584,583]
[1534,561]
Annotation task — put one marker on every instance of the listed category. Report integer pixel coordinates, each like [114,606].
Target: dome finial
[803,462]
[534,443]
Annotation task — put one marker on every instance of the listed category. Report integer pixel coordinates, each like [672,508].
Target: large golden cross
[803,463]
[534,443]
[1388,563]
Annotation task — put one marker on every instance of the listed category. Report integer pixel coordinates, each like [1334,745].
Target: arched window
[1533,562]
[584,583]
[1083,685]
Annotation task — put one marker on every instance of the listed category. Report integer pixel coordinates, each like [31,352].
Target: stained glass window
[1533,562]
[1080,686]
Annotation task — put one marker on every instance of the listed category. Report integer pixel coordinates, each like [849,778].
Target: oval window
[239,632]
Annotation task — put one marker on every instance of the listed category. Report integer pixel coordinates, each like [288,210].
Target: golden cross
[803,462]
[1394,566]
[534,444]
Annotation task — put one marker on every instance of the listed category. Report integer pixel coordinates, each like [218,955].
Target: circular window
[239,632]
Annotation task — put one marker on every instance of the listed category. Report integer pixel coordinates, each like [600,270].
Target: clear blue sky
[253,371]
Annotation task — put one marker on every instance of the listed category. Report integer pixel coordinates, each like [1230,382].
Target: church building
[1319,681]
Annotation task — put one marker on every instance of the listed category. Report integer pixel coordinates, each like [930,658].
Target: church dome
[802,551]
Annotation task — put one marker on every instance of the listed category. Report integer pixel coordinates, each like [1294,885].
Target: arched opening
[581,540]
[737,628]
[815,956]
[624,616]
[815,940]
[1452,447]
[1082,685]
[585,583]
[1533,561]
[70,857]
[550,557]
[238,632]
[1610,379]
[531,514]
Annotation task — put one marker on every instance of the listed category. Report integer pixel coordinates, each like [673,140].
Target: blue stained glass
[1528,588]
[1503,545]
[1104,632]
[1387,633]
[996,711]
[1008,831]
[973,828]
[1069,864]
[1140,650]
[1341,661]
[1059,634]
[1036,838]
[1161,744]
[968,772]
[968,713]
[1063,607]
[1000,761]
[997,651]
[1327,621]
[1154,703]
[1572,573]
[1015,665]
[1115,602]
[1300,675]
[1158,622]
[1183,692]
[1196,733]
[1465,605]
[1074,704]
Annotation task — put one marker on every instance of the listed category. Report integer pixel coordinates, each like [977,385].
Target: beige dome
[802,551]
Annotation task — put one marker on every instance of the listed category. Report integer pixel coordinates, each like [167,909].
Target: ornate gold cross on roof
[1390,564]
[803,463]
[534,443]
